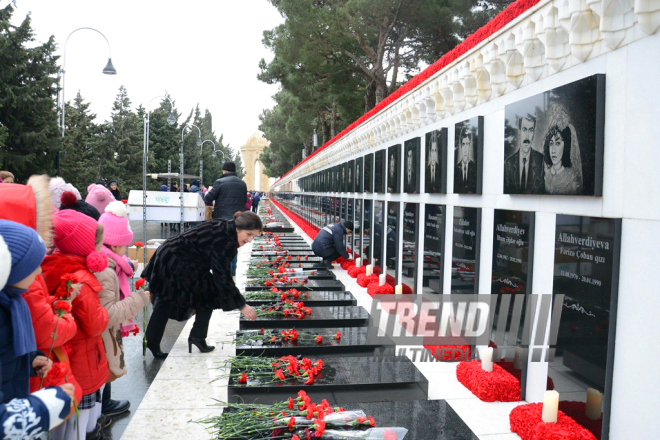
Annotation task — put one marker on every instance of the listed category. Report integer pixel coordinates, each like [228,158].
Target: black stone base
[321,285]
[321,317]
[316,299]
[424,419]
[353,342]
[342,377]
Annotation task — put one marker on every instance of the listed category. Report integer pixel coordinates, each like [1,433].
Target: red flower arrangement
[375,289]
[363,280]
[525,420]
[496,385]
[353,272]
[347,264]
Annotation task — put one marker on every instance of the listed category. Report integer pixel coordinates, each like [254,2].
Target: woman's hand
[249,313]
[148,295]
[41,365]
[69,388]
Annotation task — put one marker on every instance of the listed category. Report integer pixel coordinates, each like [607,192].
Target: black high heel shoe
[200,344]
[157,353]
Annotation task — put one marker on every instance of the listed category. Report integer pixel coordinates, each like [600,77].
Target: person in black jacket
[230,196]
[255,202]
[192,271]
[229,193]
[329,243]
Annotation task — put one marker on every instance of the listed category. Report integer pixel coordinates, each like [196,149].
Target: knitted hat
[229,166]
[27,250]
[99,196]
[57,186]
[116,229]
[163,188]
[69,201]
[5,263]
[75,233]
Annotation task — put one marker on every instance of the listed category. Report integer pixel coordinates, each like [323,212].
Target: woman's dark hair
[565,135]
[247,220]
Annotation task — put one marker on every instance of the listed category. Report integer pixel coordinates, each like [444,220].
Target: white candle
[487,359]
[594,403]
[358,262]
[550,406]
[385,269]
[381,279]
[398,290]
[370,270]
[518,361]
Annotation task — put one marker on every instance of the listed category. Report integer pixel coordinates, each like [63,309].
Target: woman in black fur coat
[193,271]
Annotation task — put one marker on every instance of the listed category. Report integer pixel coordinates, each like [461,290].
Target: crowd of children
[66,302]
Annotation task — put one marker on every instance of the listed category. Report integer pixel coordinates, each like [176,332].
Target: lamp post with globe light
[199,144]
[171,120]
[109,69]
[201,159]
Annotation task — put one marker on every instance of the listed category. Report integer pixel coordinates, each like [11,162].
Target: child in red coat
[78,239]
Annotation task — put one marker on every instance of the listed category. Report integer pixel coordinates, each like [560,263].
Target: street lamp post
[145,152]
[201,159]
[199,144]
[109,69]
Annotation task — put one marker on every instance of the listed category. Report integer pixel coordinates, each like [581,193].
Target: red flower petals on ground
[496,385]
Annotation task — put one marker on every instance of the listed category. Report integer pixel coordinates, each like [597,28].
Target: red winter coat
[86,351]
[44,321]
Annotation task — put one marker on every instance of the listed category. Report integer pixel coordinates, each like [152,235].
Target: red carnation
[338,335]
[372,422]
[243,378]
[319,426]
[295,437]
[291,424]
[279,374]
[139,283]
[310,381]
[290,403]
[138,244]
[62,306]
[319,339]
[389,435]
[56,374]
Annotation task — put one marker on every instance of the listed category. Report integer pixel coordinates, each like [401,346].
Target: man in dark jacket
[229,193]
[329,243]
[230,196]
[255,202]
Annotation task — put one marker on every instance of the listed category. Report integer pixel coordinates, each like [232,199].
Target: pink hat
[99,196]
[117,230]
[75,233]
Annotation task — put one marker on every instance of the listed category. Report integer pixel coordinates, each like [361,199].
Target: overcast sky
[199,51]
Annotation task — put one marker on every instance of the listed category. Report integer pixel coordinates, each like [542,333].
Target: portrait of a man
[393,182]
[523,170]
[465,173]
[411,166]
[436,153]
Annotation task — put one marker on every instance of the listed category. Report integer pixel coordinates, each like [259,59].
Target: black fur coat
[193,270]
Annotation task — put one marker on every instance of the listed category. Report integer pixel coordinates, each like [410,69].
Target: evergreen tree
[164,142]
[28,86]
[122,144]
[79,158]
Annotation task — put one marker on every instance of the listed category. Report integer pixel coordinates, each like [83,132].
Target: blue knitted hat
[26,247]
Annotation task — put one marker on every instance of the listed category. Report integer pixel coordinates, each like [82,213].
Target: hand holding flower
[41,365]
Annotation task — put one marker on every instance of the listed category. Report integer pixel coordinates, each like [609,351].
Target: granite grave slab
[323,317]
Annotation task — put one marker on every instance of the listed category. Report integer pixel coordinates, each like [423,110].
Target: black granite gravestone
[410,244]
[353,342]
[435,176]
[350,176]
[330,285]
[379,380]
[379,171]
[411,166]
[465,250]
[394,169]
[557,137]
[585,288]
[434,245]
[323,317]
[468,157]
[369,173]
[379,234]
[392,239]
[359,175]
[311,299]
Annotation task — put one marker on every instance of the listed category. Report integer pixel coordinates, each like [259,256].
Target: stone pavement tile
[169,424]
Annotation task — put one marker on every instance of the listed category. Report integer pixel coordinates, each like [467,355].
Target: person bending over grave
[329,243]
[192,271]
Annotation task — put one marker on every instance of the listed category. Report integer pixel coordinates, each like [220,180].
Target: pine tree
[28,85]
[79,158]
